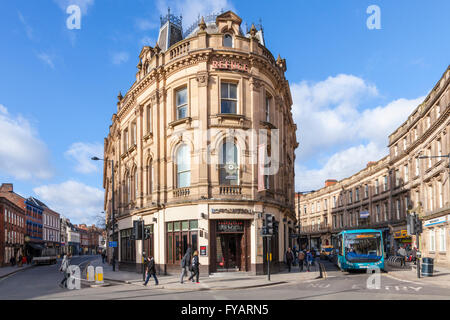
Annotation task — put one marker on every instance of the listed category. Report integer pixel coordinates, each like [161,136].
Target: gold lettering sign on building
[237,211]
[224,64]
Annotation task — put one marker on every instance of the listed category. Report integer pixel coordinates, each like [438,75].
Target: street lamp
[112,206]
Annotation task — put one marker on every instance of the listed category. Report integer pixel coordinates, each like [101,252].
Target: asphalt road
[37,281]
[42,283]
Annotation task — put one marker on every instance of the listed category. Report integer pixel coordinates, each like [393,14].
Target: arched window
[183,166]
[228,41]
[150,177]
[135,183]
[128,189]
[228,164]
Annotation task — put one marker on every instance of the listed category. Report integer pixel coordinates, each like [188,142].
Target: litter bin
[427,267]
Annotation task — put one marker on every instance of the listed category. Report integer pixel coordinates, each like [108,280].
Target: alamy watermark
[74,280]
[374,20]
[74,20]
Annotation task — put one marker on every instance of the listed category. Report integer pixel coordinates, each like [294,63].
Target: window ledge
[222,116]
[186,120]
[132,149]
[148,136]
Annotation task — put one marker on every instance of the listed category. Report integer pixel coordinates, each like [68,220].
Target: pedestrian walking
[309,259]
[402,253]
[65,270]
[185,263]
[289,258]
[295,253]
[151,271]
[414,255]
[195,267]
[24,260]
[103,256]
[301,260]
[20,260]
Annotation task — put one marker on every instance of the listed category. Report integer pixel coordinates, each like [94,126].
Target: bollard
[90,276]
[99,275]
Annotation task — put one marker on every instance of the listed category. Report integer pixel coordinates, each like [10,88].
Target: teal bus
[360,249]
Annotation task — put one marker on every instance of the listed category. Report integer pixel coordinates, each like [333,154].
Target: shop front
[401,239]
[231,245]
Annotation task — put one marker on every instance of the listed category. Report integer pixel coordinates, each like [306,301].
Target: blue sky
[59,86]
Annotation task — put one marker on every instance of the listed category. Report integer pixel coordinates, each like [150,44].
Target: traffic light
[146,233]
[275,227]
[137,230]
[269,223]
[418,225]
[411,224]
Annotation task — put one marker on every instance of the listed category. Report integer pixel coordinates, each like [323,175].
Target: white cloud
[47,59]
[335,129]
[28,28]
[191,9]
[22,154]
[82,153]
[119,57]
[341,165]
[83,4]
[75,200]
[147,41]
[145,24]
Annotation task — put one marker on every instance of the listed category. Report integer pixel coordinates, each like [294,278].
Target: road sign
[112,244]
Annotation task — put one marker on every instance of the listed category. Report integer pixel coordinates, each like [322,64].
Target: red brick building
[12,231]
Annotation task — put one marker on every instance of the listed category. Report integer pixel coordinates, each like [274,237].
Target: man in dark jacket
[195,267]
[185,263]
[301,259]
[151,270]
[289,258]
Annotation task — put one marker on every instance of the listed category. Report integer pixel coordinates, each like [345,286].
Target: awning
[36,246]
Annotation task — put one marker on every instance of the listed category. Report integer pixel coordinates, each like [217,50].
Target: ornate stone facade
[168,138]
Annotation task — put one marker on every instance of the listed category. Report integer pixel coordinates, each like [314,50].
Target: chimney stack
[330,182]
[6,187]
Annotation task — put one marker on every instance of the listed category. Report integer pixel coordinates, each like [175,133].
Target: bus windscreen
[363,247]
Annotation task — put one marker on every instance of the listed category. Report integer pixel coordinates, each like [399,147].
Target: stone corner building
[185,143]
[380,195]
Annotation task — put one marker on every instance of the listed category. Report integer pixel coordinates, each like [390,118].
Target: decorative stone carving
[255,84]
[202,79]
[202,25]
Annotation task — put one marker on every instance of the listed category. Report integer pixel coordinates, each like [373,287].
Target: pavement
[441,275]
[217,281]
[10,270]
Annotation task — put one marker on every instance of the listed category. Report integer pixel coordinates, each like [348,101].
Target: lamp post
[112,207]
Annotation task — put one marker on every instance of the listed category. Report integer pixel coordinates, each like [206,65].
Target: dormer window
[228,41]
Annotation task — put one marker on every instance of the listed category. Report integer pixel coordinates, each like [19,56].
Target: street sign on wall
[364,214]
[112,244]
[435,221]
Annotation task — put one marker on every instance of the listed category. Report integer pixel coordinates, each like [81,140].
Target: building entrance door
[229,252]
